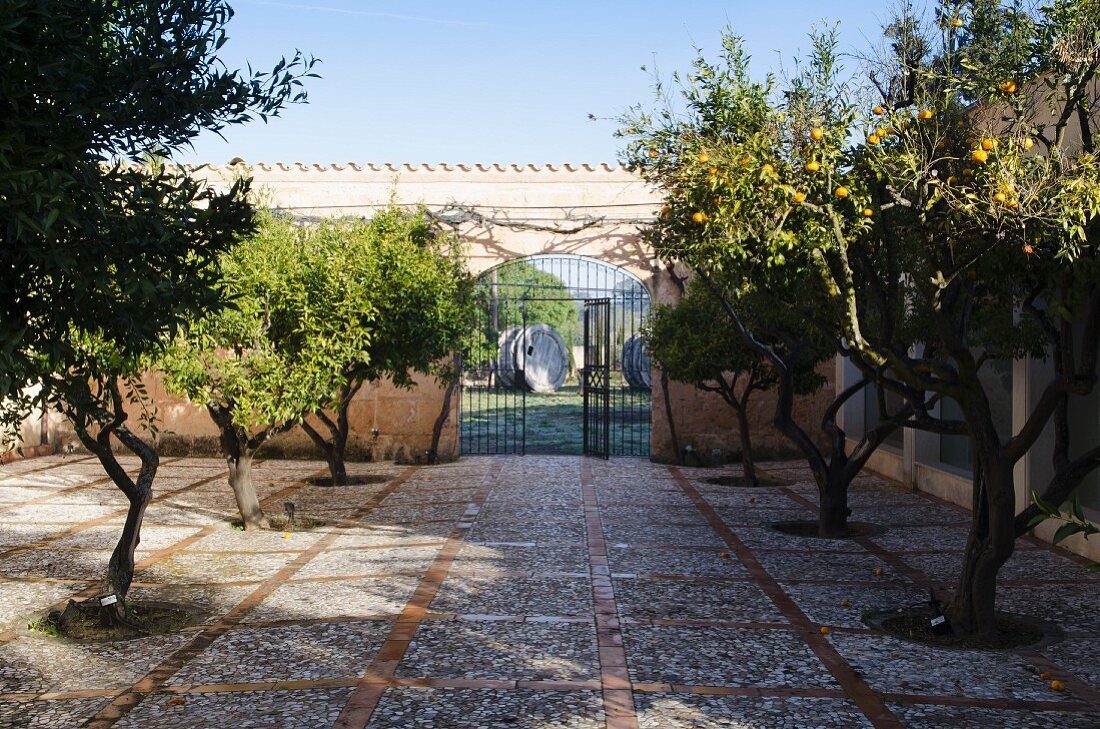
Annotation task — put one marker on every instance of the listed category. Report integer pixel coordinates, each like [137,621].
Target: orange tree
[943,218]
[739,166]
[692,342]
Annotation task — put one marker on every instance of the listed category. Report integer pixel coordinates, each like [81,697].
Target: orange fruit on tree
[999,197]
[924,114]
[817,134]
[868,212]
[842,192]
[665,210]
[989,144]
[1028,142]
[767,169]
[798,197]
[883,132]
[873,139]
[702,158]
[654,153]
[878,111]
[699,217]
[813,166]
[1009,87]
[746,161]
[1028,250]
[957,23]
[979,156]
[712,171]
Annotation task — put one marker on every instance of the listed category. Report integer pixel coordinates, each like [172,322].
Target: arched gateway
[556,365]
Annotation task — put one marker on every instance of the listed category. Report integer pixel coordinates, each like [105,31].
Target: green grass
[493,421]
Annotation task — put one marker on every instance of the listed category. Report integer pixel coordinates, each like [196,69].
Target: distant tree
[694,343]
[528,294]
[414,284]
[104,255]
[278,354]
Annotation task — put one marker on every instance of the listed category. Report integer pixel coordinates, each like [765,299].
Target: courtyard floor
[518,592]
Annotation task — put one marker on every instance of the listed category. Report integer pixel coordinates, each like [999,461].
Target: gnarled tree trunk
[139,493]
[335,446]
[239,449]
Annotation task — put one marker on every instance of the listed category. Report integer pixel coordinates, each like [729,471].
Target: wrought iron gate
[596,377]
[512,404]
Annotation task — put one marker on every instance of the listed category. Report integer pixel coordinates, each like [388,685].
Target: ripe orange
[824,630]
[1057,685]
[665,210]
[1009,87]
[989,144]
[842,192]
[924,115]
[1028,143]
[746,161]
[813,166]
[979,156]
[884,132]
[798,197]
[957,23]
[817,134]
[654,153]
[767,169]
[999,197]
[873,139]
[1028,250]
[702,158]
[699,217]
[878,111]
[868,212]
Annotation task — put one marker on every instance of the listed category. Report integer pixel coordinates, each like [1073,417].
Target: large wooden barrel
[505,364]
[636,364]
[542,355]
[535,358]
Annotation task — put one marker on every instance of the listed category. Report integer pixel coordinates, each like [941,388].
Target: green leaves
[92,245]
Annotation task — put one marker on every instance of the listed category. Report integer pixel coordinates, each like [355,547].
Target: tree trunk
[832,511]
[445,411]
[747,462]
[244,491]
[111,419]
[989,545]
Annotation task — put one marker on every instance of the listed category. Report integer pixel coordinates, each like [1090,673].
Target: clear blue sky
[482,82]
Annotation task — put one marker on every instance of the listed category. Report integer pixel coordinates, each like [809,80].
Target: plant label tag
[939,620]
[108,600]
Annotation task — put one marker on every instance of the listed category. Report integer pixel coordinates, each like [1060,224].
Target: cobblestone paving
[544,593]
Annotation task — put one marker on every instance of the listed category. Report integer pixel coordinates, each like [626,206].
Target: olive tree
[298,314]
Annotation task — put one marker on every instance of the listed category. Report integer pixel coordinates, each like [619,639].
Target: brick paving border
[618,696]
[125,702]
[383,668]
[858,690]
